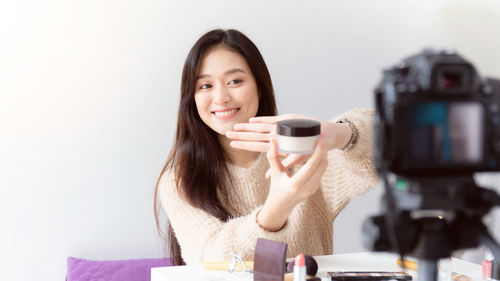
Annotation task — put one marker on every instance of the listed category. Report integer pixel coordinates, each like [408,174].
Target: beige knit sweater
[309,228]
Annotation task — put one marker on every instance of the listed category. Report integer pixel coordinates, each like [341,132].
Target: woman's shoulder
[167,183]
[167,174]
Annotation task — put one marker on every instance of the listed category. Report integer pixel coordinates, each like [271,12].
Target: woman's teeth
[225,113]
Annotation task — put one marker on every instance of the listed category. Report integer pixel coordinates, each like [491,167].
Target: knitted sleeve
[352,172]
[203,237]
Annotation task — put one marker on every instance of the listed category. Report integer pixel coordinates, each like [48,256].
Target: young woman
[221,192]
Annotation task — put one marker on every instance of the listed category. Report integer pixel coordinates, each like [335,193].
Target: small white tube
[299,270]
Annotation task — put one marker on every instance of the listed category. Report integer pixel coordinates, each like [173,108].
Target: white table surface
[364,261]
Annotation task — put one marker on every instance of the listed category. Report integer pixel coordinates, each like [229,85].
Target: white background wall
[89,94]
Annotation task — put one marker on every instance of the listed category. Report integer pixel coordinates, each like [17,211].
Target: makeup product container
[299,270]
[486,264]
[297,136]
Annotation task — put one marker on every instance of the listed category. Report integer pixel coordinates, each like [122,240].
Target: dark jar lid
[299,128]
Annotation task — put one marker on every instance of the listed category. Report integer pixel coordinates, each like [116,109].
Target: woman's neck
[238,157]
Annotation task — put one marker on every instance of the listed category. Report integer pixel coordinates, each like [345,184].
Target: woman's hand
[287,191]
[256,136]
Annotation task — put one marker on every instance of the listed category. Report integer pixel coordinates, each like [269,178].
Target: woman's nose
[222,96]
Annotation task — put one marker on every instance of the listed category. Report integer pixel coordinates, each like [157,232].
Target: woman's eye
[235,81]
[205,86]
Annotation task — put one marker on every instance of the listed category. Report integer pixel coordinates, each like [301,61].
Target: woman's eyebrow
[202,76]
[231,71]
[234,70]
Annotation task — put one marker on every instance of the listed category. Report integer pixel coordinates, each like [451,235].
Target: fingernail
[237,126]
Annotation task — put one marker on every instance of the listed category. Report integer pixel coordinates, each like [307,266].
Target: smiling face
[225,92]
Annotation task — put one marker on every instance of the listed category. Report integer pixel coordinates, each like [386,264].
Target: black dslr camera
[437,122]
[436,116]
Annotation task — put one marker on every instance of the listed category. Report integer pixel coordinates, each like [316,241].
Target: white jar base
[297,145]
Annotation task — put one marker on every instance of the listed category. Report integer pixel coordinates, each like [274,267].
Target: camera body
[437,122]
[435,116]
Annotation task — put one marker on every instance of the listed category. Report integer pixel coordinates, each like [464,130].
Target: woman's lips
[225,114]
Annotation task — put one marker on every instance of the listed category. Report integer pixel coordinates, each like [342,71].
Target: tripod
[409,227]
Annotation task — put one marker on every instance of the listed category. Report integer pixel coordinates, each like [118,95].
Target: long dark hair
[197,158]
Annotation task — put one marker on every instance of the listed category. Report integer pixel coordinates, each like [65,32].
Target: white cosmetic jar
[297,136]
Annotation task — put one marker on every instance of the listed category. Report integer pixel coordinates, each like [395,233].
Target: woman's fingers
[314,179]
[252,137]
[290,161]
[304,173]
[274,161]
[248,136]
[294,159]
[265,119]
[255,127]
[268,173]
[251,145]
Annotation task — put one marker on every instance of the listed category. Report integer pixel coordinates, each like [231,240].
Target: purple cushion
[117,270]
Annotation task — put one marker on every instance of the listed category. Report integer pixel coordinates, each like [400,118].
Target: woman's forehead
[219,59]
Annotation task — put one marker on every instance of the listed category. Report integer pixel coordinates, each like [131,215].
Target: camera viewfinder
[451,80]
